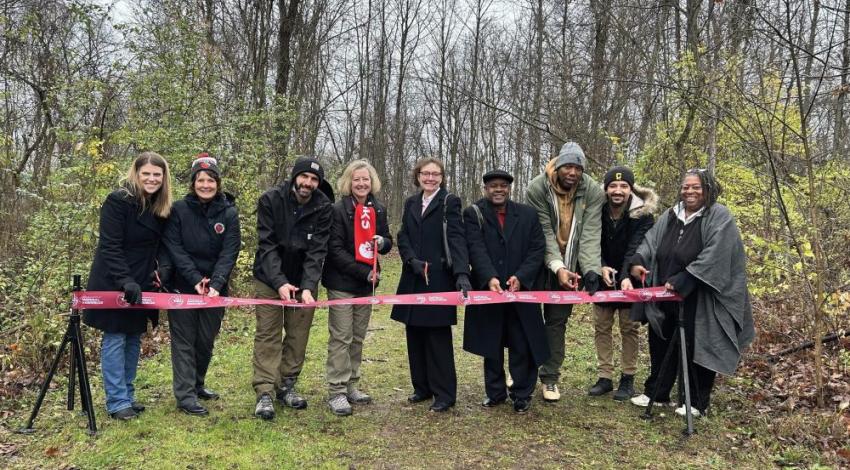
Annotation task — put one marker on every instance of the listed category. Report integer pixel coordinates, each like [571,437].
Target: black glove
[683,283]
[132,293]
[418,267]
[591,282]
[462,284]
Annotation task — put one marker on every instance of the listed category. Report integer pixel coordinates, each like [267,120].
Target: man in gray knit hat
[569,204]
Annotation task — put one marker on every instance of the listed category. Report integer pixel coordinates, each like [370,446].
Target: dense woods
[756,90]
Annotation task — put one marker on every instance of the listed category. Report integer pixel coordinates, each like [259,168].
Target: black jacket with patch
[202,240]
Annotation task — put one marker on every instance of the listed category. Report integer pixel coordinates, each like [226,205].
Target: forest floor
[577,432]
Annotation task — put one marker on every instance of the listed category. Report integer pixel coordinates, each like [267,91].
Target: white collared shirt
[680,213]
[427,200]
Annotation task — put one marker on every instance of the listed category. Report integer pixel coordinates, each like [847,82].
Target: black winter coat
[292,240]
[342,272]
[621,239]
[421,237]
[517,250]
[202,240]
[126,252]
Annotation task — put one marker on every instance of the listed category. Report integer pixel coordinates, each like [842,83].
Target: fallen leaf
[52,452]
[8,449]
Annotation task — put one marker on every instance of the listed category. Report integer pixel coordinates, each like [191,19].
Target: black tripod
[74,337]
[679,340]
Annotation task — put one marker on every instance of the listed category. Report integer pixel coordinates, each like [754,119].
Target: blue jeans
[119,358]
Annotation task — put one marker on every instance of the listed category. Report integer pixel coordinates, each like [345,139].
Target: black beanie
[308,165]
[619,173]
[204,162]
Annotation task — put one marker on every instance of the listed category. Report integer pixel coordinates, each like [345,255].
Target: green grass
[577,432]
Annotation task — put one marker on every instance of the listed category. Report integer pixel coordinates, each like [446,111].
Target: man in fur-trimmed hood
[626,217]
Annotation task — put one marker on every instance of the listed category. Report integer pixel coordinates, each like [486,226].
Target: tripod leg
[78,363]
[46,384]
[685,381]
[72,370]
[85,387]
[668,355]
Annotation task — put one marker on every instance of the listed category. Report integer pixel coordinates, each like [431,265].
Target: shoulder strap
[479,216]
[446,248]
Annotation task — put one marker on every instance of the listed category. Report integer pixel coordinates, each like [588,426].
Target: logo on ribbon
[176,300]
[121,302]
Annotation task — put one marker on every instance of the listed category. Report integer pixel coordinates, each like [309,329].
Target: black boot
[626,389]
[601,387]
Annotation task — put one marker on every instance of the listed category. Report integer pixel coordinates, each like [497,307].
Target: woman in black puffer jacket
[203,241]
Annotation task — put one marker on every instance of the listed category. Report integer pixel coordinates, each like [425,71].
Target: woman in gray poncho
[696,250]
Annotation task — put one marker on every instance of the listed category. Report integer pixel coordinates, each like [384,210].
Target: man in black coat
[293,224]
[626,217]
[506,249]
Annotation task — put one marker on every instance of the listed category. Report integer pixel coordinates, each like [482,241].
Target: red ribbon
[95,300]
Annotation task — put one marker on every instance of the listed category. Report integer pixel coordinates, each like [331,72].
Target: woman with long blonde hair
[132,220]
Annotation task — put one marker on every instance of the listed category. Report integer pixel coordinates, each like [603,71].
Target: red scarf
[364,229]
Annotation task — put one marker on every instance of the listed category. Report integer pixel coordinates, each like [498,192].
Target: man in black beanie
[626,216]
[293,225]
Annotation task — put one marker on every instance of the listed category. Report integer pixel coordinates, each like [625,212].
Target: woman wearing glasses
[695,249]
[433,248]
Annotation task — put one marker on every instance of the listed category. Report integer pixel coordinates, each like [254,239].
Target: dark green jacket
[583,247]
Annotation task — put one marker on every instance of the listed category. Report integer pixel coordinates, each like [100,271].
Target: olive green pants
[347,325]
[280,342]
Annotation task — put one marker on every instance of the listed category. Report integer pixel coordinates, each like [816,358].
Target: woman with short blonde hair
[343,185]
[359,229]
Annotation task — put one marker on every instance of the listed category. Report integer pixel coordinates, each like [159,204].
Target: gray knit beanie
[571,153]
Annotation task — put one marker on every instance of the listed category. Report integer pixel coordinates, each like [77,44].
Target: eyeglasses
[430,174]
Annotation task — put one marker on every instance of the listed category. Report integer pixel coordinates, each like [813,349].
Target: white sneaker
[643,401]
[551,393]
[694,412]
[640,400]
